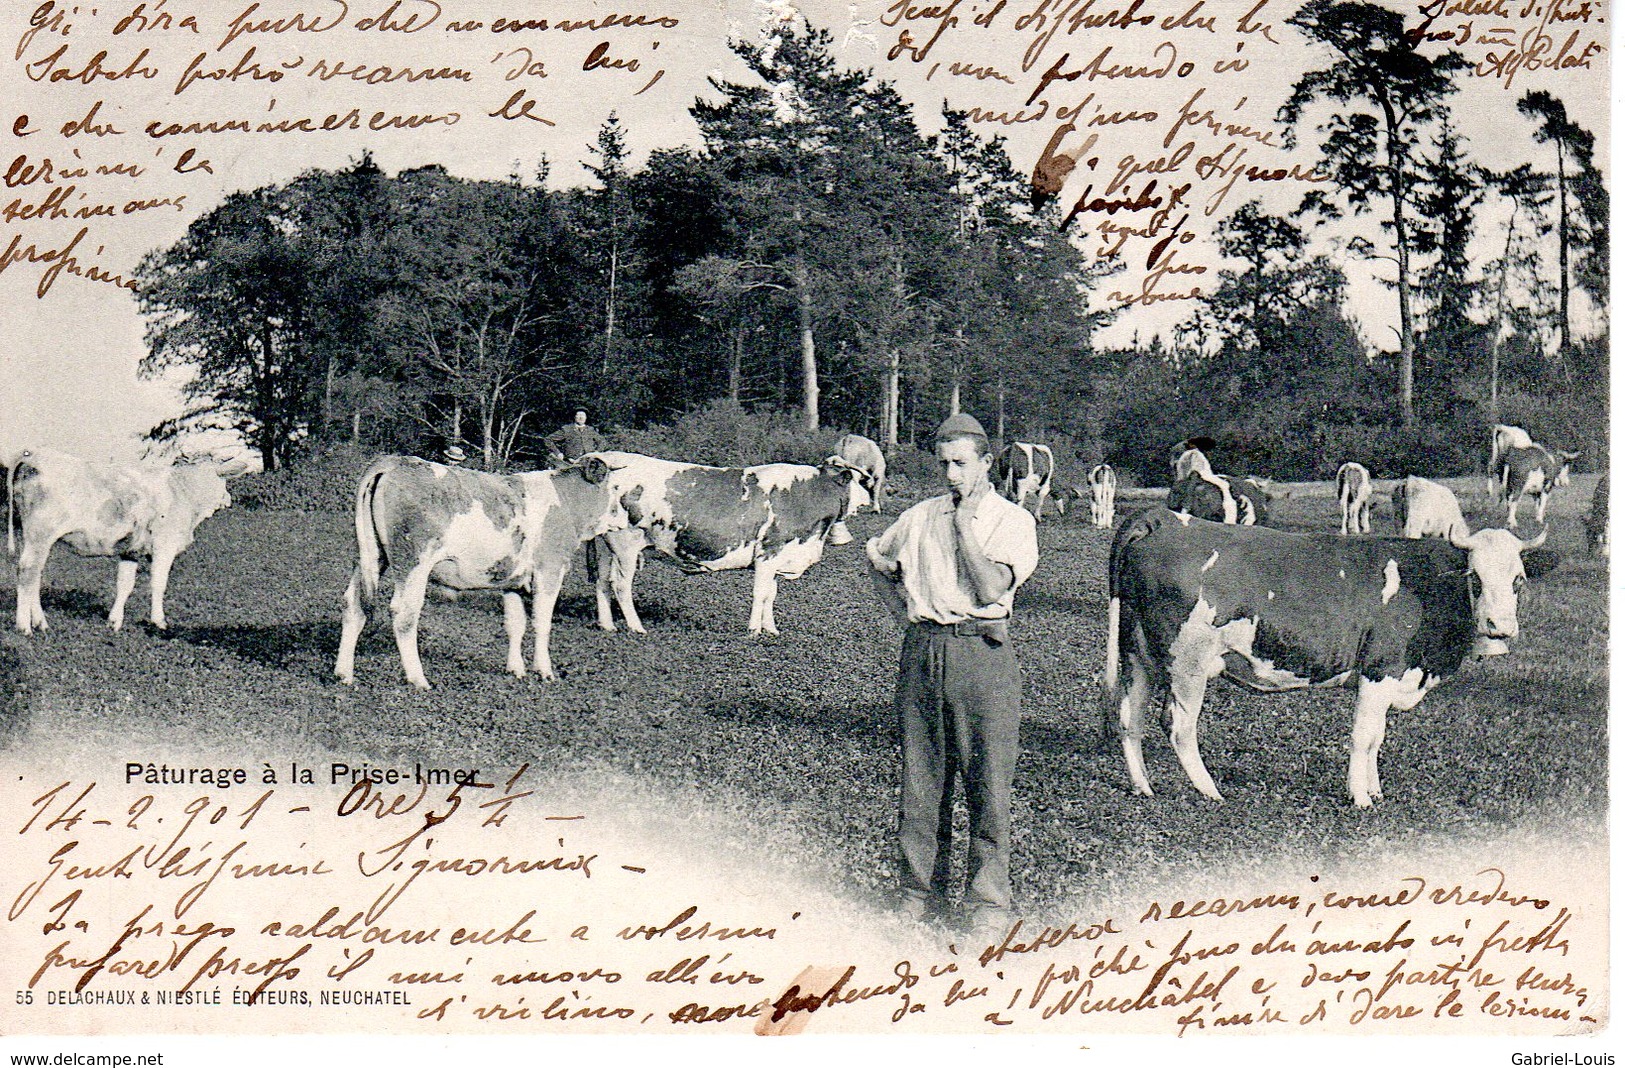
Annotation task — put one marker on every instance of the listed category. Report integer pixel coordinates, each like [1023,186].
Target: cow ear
[1537,562]
[594,470]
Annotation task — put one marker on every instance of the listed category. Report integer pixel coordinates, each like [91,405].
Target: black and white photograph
[1067,526]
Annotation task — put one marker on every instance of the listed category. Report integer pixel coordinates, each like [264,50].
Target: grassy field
[792,736]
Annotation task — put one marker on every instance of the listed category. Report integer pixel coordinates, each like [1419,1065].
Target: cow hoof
[636,628]
[420,684]
[346,680]
[608,628]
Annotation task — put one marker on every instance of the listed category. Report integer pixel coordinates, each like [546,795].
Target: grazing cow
[134,512]
[859,452]
[1424,509]
[1025,468]
[1274,611]
[1354,497]
[1220,498]
[1502,438]
[1533,471]
[1189,457]
[774,518]
[468,530]
[1596,521]
[1102,495]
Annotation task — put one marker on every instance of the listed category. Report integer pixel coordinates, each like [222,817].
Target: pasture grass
[784,748]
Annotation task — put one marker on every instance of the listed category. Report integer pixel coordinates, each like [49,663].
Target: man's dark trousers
[959,712]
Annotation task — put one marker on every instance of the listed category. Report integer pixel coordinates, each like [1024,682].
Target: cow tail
[369,547]
[1109,696]
[11,504]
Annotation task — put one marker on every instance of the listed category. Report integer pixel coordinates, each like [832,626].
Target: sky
[68,361]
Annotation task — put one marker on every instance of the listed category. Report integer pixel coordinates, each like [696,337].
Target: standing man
[574,440]
[949,568]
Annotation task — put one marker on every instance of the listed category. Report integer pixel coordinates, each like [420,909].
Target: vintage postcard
[1043,522]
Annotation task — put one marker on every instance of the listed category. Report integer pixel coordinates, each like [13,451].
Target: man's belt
[996,631]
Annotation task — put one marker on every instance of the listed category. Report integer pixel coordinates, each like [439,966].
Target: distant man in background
[949,568]
[574,440]
[454,456]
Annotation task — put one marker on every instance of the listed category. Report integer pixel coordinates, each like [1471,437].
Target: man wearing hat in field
[949,568]
[572,441]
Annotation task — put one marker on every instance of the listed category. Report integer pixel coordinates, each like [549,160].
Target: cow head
[591,468]
[1497,568]
[1564,459]
[859,481]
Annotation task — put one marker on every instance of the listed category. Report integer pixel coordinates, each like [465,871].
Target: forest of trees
[815,253]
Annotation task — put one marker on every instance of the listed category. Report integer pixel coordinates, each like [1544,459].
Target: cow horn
[1537,541]
[1462,538]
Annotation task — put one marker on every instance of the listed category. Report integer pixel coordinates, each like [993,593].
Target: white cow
[133,512]
[1024,468]
[1354,497]
[1102,495]
[1424,509]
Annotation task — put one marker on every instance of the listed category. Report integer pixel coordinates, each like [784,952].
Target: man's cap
[455,455]
[960,426]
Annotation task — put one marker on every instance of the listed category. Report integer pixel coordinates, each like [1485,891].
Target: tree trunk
[1001,408]
[1564,340]
[1407,328]
[327,394]
[736,361]
[355,426]
[454,432]
[1500,318]
[953,396]
[894,377]
[609,307]
[488,444]
[809,353]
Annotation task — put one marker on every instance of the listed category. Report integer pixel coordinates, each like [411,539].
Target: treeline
[815,252]
[1484,268]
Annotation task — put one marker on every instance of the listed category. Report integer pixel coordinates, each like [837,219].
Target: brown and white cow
[1502,438]
[1425,509]
[1534,471]
[468,530]
[1220,498]
[132,512]
[865,455]
[1273,611]
[774,518]
[1102,495]
[1025,468]
[1354,497]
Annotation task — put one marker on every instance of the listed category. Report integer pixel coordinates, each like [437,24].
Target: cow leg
[601,565]
[1512,512]
[1540,508]
[879,494]
[1185,693]
[1043,495]
[121,591]
[405,607]
[543,597]
[513,621]
[764,591]
[1131,722]
[628,554]
[30,573]
[355,620]
[161,563]
[1371,705]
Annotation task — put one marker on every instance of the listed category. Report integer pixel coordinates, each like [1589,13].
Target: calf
[468,530]
[1273,611]
[1424,509]
[1354,497]
[1025,468]
[1220,498]
[1596,521]
[1102,495]
[774,518]
[132,512]
[1533,471]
